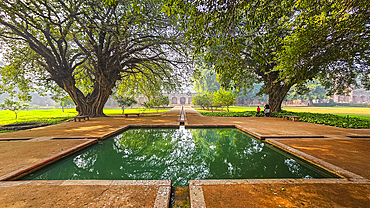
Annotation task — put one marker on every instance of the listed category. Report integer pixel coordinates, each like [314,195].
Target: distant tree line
[221,98]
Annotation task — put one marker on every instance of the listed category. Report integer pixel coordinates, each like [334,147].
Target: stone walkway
[95,128]
[344,151]
[332,148]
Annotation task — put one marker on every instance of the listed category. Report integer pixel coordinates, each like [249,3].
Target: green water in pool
[179,155]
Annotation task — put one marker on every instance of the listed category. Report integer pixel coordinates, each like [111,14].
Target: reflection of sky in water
[179,155]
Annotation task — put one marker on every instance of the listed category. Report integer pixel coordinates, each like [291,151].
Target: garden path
[329,147]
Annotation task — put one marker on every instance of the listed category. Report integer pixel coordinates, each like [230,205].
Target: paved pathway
[93,128]
[46,144]
[330,147]
[271,127]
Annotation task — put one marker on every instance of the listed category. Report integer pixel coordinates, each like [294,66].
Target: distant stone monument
[175,99]
[355,96]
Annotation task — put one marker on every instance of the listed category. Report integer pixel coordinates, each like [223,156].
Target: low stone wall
[21,126]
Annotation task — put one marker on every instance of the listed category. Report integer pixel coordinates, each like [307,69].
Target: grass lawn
[53,116]
[115,111]
[363,113]
[232,109]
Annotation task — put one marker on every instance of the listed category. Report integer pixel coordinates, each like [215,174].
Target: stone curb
[325,165]
[25,170]
[162,199]
[197,195]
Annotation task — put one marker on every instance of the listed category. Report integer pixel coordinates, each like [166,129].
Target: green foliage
[14,78]
[159,101]
[257,92]
[204,100]
[14,106]
[87,48]
[224,98]
[232,114]
[332,104]
[308,91]
[110,2]
[318,118]
[205,79]
[363,105]
[147,83]
[328,119]
[281,43]
[66,101]
[124,102]
[147,105]
[216,99]
[328,40]
[54,116]
[199,100]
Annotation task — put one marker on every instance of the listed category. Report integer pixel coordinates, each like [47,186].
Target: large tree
[85,47]
[281,43]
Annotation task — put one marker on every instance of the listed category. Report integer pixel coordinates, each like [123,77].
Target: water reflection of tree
[145,142]
[77,168]
[238,156]
[233,148]
[179,155]
[161,154]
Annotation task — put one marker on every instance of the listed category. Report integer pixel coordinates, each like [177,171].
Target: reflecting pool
[179,155]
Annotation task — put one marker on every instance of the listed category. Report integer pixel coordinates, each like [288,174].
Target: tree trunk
[93,103]
[276,89]
[93,107]
[310,103]
[277,93]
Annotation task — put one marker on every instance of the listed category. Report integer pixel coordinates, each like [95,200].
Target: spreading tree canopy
[280,42]
[85,48]
[205,79]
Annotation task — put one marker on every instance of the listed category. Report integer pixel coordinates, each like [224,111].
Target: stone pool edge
[31,168]
[315,161]
[318,162]
[162,199]
[268,139]
[195,186]
[197,195]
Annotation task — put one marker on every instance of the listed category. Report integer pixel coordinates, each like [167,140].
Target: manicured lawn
[232,109]
[115,111]
[320,116]
[341,111]
[47,116]
[53,116]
